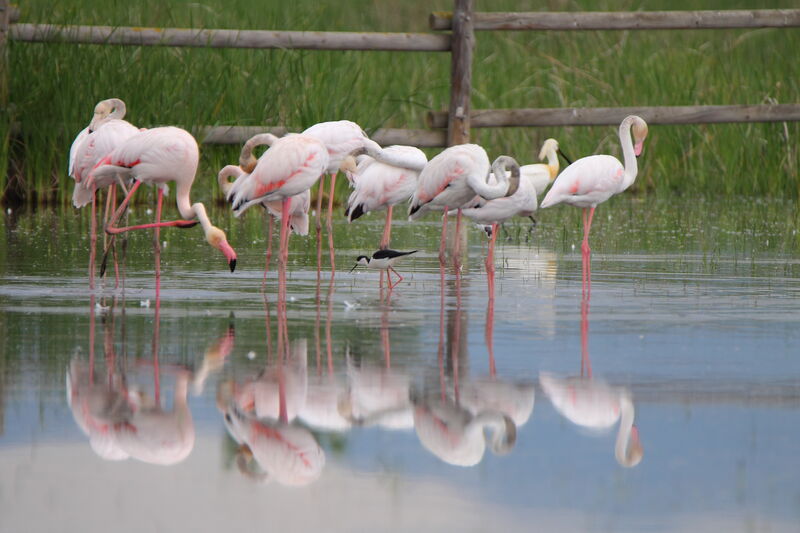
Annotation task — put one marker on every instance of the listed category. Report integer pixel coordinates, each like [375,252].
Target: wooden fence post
[5,11]
[463,42]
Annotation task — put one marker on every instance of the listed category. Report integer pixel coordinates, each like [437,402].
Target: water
[693,317]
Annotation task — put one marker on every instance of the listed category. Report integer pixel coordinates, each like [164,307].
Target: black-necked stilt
[383,260]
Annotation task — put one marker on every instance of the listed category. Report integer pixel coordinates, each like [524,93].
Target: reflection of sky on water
[709,358]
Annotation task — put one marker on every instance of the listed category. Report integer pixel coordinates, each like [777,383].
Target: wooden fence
[451,126]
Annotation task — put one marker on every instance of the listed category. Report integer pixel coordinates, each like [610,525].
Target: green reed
[55,86]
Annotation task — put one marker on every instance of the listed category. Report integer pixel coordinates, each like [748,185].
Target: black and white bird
[383,260]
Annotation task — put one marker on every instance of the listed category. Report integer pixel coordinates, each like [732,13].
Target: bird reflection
[123,420]
[458,422]
[590,403]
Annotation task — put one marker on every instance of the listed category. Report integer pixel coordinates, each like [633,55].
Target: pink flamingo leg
[457,245]
[442,246]
[588,254]
[490,261]
[284,253]
[387,229]
[93,240]
[157,254]
[330,220]
[269,249]
[489,334]
[328,325]
[320,191]
[111,228]
[387,354]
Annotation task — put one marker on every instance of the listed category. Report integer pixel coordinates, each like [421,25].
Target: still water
[669,401]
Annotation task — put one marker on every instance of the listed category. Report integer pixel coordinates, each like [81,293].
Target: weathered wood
[383,136]
[635,20]
[594,116]
[311,40]
[463,44]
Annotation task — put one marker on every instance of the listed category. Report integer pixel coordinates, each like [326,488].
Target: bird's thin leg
[387,229]
[380,283]
[584,244]
[269,249]
[320,191]
[284,253]
[396,273]
[157,255]
[457,244]
[387,354]
[93,240]
[442,255]
[328,325]
[113,230]
[490,261]
[589,253]
[113,192]
[531,228]
[330,220]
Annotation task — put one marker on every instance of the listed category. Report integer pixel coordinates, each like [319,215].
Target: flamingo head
[639,130]
[105,109]
[635,452]
[216,238]
[349,166]
[248,164]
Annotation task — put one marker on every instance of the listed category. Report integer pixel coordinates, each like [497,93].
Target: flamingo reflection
[458,422]
[590,403]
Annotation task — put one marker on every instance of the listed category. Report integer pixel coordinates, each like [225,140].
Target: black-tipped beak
[562,154]
[232,264]
[354,267]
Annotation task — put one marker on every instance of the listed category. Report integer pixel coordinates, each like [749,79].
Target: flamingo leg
[457,245]
[387,229]
[157,254]
[489,333]
[269,248]
[442,246]
[588,252]
[387,354]
[328,326]
[320,190]
[586,363]
[490,261]
[330,220]
[93,240]
[113,193]
[284,253]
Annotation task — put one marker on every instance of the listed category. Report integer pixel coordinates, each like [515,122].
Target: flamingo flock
[460,180]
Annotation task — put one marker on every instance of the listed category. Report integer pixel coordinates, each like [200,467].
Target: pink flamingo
[298,209]
[158,156]
[382,186]
[106,131]
[451,179]
[340,137]
[594,179]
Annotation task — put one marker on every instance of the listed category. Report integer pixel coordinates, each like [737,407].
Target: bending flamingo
[451,179]
[340,137]
[379,185]
[594,179]
[298,208]
[104,133]
[157,157]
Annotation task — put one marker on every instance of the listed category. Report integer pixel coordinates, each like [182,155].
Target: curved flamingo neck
[119,109]
[631,167]
[499,167]
[246,158]
[395,159]
[227,172]
[625,427]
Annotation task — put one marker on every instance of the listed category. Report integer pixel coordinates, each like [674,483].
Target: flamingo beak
[229,253]
[637,148]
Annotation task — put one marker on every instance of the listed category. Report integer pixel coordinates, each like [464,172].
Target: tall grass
[55,86]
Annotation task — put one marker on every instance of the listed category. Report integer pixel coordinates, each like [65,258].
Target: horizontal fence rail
[598,116]
[637,20]
[383,136]
[309,40]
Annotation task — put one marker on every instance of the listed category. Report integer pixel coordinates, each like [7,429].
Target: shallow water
[693,317]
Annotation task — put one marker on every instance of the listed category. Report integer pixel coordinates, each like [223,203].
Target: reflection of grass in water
[55,86]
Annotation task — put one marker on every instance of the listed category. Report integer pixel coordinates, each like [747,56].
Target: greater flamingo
[594,179]
[340,137]
[298,208]
[158,156]
[379,185]
[451,179]
[105,132]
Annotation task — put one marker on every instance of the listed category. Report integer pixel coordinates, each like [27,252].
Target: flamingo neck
[246,158]
[395,159]
[119,109]
[631,167]
[499,167]
[227,172]
[624,433]
[477,182]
